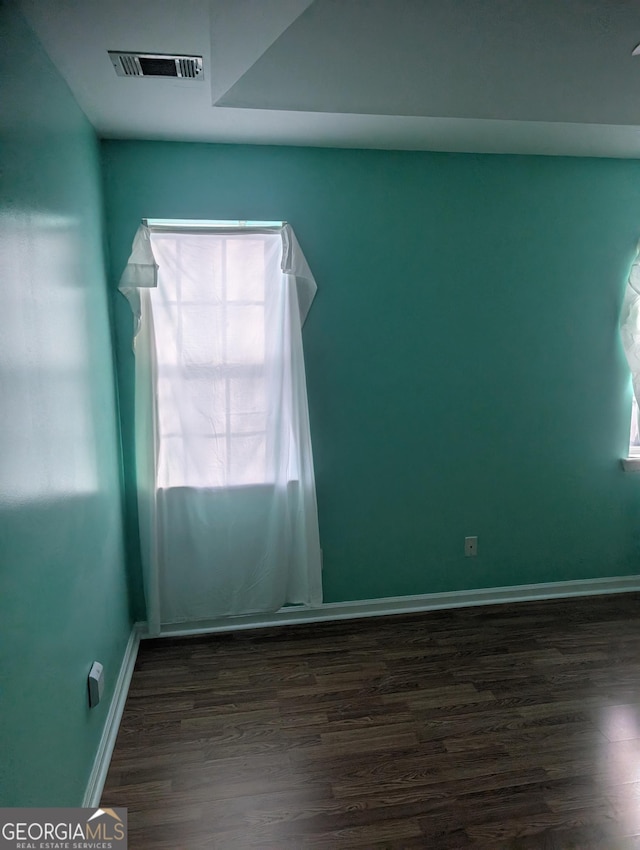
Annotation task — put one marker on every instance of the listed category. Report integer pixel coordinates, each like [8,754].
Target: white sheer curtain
[226,490]
[630,335]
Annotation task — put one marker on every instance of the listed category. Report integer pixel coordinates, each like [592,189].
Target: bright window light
[217,328]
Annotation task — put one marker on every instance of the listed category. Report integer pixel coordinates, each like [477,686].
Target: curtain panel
[224,466]
[630,324]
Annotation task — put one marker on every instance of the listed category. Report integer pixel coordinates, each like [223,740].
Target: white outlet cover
[96,683]
[470,546]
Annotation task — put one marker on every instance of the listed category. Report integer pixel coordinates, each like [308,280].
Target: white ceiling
[521,76]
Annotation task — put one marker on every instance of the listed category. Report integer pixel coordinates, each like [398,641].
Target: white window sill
[631,464]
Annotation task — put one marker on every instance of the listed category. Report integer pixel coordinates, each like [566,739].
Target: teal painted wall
[463,364]
[63,592]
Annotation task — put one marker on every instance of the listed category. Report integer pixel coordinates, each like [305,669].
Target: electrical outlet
[96,683]
[470,547]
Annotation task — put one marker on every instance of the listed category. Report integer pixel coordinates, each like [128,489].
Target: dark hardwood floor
[513,726]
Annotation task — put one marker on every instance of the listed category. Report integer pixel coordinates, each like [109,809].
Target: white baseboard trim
[102,760]
[405,604]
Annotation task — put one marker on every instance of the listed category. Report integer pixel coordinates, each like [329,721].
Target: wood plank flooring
[512,726]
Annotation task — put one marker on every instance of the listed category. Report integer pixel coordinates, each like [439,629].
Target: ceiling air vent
[156,65]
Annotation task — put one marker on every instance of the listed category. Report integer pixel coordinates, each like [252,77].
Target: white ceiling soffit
[517,60]
[241,32]
[495,76]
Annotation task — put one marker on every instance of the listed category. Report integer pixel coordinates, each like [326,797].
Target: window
[224,468]
[215,322]
[630,337]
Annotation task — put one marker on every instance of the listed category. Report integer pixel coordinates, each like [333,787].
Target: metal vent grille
[188,68]
[156,65]
[129,66]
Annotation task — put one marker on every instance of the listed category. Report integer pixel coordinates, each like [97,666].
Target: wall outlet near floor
[470,547]
[95,683]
